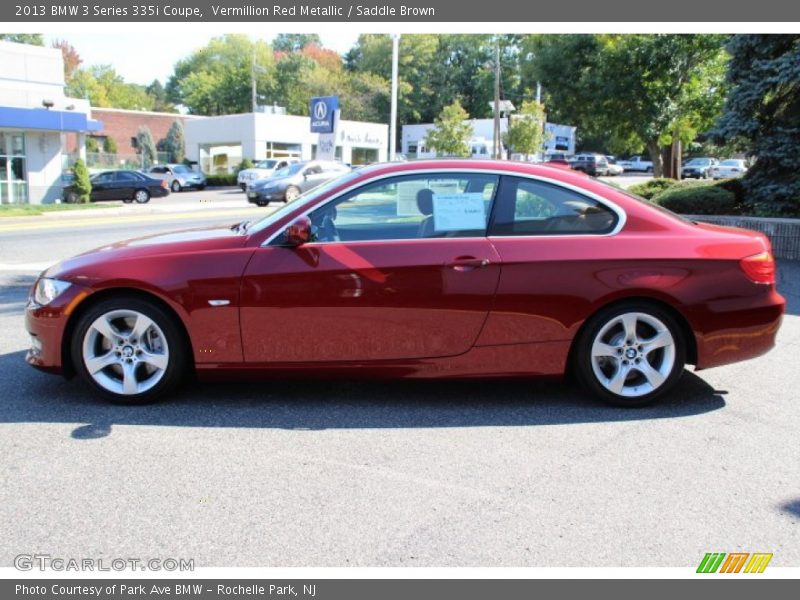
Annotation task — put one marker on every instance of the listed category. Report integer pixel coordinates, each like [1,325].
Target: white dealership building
[35,119]
[219,144]
[558,138]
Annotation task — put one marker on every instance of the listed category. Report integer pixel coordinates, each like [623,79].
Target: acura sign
[323,113]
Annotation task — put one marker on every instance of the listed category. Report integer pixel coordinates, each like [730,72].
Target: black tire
[262,202]
[179,350]
[243,186]
[128,200]
[72,197]
[584,363]
[176,186]
[649,169]
[201,187]
[141,196]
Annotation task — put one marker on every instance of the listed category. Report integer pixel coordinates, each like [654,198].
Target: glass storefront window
[220,159]
[364,156]
[13,184]
[282,150]
[337,155]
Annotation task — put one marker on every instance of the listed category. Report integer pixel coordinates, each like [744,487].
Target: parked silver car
[178,176]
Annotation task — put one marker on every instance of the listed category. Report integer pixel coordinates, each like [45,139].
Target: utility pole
[496,150]
[253,80]
[393,121]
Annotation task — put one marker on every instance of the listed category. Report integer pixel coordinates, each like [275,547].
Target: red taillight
[759,268]
[163,183]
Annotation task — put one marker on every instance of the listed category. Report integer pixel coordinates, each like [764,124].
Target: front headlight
[47,290]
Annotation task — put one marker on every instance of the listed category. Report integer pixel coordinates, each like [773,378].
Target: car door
[103,186]
[398,269]
[312,176]
[125,183]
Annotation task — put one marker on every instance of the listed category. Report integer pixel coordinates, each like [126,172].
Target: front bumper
[254,196]
[46,325]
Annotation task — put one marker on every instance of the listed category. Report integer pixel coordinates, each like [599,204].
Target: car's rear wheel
[72,198]
[142,196]
[630,354]
[129,349]
[291,194]
[176,186]
[262,202]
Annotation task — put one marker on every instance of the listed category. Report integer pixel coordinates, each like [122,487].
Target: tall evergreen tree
[762,115]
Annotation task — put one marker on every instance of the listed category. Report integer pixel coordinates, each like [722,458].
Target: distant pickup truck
[636,163]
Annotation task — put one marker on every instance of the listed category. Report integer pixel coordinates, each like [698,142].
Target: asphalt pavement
[347,473]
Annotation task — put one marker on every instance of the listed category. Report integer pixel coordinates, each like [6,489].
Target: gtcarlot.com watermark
[47,562]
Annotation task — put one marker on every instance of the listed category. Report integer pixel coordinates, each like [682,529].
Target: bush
[110,145]
[699,198]
[654,186]
[81,182]
[245,164]
[228,179]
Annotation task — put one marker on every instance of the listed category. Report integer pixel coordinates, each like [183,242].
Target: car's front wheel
[142,196]
[630,354]
[291,194]
[129,349]
[176,186]
[72,198]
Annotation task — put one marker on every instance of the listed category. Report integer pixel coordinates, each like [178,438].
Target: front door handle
[468,263]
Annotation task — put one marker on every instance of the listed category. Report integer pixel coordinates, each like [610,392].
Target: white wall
[254,130]
[43,149]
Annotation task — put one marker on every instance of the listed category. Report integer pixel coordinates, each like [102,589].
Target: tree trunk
[655,155]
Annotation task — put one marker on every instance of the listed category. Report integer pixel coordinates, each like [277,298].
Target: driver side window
[410,207]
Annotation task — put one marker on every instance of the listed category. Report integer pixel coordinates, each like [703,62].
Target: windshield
[290,170]
[181,169]
[698,162]
[306,198]
[266,164]
[731,163]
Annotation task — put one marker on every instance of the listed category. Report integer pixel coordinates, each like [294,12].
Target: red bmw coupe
[433,269]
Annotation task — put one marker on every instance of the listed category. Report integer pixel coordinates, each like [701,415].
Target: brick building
[123,125]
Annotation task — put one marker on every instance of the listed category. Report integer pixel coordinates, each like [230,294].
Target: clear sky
[142,57]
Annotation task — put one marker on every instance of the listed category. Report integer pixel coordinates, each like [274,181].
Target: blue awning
[49,120]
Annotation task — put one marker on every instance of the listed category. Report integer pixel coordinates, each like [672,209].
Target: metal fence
[783,233]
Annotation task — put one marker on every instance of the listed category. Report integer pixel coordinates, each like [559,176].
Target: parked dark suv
[591,164]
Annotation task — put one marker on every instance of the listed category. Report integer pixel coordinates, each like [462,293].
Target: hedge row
[694,197]
[221,180]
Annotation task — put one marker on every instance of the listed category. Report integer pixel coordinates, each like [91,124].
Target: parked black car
[128,186]
[288,183]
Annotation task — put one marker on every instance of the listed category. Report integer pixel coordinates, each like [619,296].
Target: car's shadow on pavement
[32,397]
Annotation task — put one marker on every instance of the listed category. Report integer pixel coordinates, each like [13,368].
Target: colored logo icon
[734,562]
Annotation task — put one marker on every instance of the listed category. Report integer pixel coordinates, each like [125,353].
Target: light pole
[393,118]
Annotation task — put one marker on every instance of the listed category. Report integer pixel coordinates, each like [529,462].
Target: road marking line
[69,223]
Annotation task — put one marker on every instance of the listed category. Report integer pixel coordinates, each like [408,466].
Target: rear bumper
[732,333]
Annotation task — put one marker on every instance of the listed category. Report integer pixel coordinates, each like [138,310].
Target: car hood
[114,259]
[254,171]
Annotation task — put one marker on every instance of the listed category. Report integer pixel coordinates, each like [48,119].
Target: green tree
[146,146]
[92,145]
[216,79]
[451,132]
[762,116]
[634,91]
[35,39]
[292,42]
[175,144]
[81,183]
[526,129]
[104,87]
[159,95]
[110,145]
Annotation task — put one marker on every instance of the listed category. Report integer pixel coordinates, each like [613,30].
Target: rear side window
[530,207]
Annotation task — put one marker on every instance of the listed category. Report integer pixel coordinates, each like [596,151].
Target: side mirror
[298,233]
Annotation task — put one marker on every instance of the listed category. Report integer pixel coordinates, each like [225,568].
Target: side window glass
[529,207]
[410,207]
